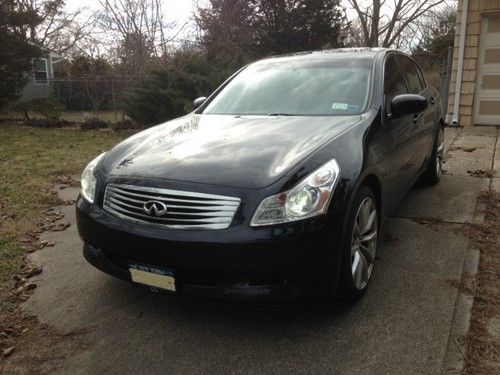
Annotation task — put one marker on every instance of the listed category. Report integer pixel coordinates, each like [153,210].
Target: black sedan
[277,185]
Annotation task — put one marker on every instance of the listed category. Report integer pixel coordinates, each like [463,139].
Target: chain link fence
[81,98]
[437,72]
[78,98]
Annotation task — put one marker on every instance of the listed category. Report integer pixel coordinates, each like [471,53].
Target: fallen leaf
[33,272]
[8,351]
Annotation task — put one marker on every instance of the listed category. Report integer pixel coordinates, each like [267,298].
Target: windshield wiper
[279,114]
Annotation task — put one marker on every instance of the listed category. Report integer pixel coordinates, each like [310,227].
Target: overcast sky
[179,11]
[174,10]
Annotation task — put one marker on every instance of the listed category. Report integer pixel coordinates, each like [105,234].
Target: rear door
[424,122]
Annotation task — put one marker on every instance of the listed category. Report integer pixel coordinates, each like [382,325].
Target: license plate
[157,277]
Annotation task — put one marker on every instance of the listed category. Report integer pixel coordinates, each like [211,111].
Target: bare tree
[92,77]
[438,23]
[139,29]
[60,31]
[384,23]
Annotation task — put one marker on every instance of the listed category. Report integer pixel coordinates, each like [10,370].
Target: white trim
[47,72]
[460,66]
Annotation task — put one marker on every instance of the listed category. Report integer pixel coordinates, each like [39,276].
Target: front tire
[360,245]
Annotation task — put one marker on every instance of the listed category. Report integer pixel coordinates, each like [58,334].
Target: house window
[41,71]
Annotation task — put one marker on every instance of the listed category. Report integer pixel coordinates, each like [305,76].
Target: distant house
[475,79]
[40,84]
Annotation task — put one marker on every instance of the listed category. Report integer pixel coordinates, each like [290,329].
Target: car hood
[239,151]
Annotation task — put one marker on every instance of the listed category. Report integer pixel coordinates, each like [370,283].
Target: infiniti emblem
[155,208]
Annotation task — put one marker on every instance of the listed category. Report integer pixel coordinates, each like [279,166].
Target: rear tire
[435,168]
[360,246]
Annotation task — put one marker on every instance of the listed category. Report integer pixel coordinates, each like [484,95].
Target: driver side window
[394,82]
[412,76]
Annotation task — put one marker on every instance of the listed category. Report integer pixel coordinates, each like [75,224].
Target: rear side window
[394,82]
[412,76]
[422,79]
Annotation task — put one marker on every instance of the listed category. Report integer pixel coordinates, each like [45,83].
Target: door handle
[417,117]
[433,100]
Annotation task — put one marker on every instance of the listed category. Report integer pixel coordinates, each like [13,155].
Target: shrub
[47,123]
[49,108]
[151,102]
[171,91]
[126,124]
[94,123]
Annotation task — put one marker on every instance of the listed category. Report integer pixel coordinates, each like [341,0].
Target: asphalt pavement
[410,321]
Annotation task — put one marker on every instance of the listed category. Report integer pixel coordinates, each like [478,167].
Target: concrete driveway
[408,322]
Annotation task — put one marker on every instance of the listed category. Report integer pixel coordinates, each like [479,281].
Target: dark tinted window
[394,82]
[422,79]
[412,76]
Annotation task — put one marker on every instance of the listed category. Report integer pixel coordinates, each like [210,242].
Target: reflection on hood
[249,152]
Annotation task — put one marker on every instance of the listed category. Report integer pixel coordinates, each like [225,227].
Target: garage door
[487,107]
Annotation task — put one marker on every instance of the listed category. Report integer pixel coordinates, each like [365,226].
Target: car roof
[354,52]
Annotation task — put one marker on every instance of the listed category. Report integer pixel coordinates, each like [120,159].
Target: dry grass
[74,116]
[31,161]
[482,348]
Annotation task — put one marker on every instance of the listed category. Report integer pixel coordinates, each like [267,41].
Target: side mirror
[407,104]
[199,101]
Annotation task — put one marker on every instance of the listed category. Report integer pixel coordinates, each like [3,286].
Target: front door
[487,101]
[398,133]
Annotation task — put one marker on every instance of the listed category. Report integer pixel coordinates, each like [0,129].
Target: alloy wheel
[364,243]
[440,152]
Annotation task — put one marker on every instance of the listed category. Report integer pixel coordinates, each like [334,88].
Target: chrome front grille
[185,210]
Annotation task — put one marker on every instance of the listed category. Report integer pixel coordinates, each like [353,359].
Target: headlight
[308,198]
[88,179]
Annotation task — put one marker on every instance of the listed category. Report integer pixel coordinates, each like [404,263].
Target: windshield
[301,88]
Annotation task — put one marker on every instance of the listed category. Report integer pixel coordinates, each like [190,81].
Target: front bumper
[242,262]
